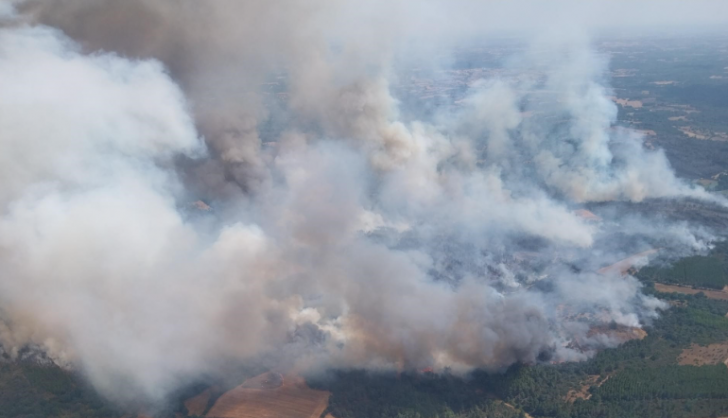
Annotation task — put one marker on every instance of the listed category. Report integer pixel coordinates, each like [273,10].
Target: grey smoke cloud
[356,237]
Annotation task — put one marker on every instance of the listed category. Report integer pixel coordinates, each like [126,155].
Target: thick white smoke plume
[341,233]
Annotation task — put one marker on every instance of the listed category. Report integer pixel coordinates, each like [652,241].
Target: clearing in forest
[688,290]
[623,267]
[271,395]
[698,355]
[583,392]
[695,134]
[636,104]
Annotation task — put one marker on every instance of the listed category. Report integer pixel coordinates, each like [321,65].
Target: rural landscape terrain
[398,209]
[675,92]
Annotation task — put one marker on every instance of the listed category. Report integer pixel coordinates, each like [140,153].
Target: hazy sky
[530,14]
[445,23]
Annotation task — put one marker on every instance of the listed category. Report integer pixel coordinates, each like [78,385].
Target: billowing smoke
[186,184]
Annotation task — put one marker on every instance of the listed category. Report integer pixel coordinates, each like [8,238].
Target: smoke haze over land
[338,229]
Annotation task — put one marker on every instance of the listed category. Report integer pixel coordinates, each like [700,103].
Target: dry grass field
[270,380]
[271,396]
[698,355]
[623,267]
[587,215]
[712,294]
[583,392]
[637,104]
[620,333]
